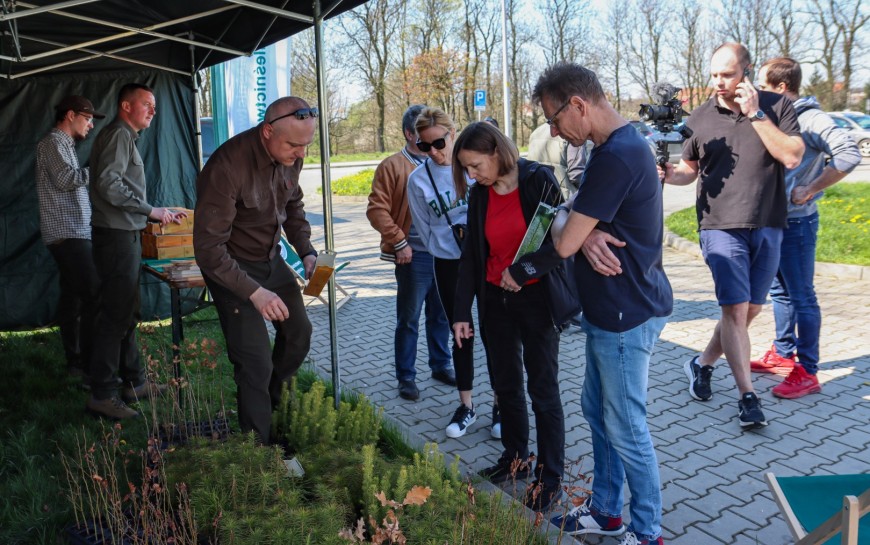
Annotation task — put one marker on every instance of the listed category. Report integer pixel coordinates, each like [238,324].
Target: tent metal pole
[323,103]
[42,9]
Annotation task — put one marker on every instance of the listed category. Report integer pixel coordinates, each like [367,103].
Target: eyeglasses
[439,144]
[552,118]
[89,118]
[300,114]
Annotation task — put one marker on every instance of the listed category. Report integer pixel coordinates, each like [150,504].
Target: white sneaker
[495,430]
[462,418]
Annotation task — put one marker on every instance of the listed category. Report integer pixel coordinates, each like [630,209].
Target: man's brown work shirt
[243,200]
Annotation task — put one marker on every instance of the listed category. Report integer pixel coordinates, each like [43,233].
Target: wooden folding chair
[826,505]
[295,262]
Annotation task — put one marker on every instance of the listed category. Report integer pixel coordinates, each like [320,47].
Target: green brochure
[537,230]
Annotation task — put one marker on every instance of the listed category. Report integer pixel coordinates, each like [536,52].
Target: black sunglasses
[300,114]
[439,144]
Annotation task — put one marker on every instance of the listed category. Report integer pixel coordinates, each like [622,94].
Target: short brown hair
[128,90]
[784,70]
[483,137]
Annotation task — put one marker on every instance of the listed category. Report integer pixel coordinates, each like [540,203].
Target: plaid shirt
[62,187]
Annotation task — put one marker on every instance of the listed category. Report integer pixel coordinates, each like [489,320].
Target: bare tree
[749,22]
[304,82]
[849,16]
[645,48]
[788,30]
[371,30]
[692,47]
[519,34]
[617,32]
[567,24]
[826,55]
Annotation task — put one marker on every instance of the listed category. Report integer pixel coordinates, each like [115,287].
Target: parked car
[648,134]
[858,125]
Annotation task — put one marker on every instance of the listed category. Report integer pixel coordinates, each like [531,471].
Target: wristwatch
[757,116]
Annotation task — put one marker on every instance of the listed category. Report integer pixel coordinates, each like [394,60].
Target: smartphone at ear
[747,73]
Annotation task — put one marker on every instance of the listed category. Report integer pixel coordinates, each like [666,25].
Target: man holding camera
[742,142]
[795,307]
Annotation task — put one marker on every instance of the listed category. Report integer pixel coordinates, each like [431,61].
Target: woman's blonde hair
[484,138]
[431,117]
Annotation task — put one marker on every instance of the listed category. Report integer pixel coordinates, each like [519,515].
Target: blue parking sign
[480,100]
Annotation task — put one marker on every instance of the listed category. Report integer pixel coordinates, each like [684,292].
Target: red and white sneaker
[771,362]
[797,384]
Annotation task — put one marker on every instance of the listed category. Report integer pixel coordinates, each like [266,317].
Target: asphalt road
[311,178]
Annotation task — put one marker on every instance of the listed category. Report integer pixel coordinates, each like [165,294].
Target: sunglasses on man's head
[300,114]
[439,144]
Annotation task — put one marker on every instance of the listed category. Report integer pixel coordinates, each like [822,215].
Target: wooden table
[156,268]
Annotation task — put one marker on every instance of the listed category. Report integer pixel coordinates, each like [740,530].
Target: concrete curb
[835,270]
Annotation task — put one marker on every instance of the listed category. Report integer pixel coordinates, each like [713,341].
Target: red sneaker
[797,384]
[771,362]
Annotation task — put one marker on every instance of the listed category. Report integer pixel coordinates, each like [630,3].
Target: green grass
[349,157]
[844,224]
[354,185]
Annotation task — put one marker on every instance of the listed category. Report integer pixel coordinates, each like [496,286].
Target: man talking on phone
[743,141]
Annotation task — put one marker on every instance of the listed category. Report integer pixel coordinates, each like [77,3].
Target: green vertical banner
[219,105]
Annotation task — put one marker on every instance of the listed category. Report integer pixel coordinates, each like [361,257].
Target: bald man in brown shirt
[247,192]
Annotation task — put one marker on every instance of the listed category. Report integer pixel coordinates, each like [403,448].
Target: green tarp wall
[28,276]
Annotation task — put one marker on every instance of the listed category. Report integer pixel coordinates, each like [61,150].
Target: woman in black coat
[513,302]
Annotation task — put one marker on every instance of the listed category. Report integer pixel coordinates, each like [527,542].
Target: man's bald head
[738,50]
[285,136]
[284,106]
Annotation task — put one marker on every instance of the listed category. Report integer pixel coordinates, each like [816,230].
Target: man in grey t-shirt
[743,140]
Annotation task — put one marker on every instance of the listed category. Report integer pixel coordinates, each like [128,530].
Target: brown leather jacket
[387,210]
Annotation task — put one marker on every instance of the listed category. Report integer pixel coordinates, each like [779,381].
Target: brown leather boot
[112,408]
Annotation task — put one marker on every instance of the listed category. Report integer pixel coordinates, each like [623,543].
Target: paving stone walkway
[711,470]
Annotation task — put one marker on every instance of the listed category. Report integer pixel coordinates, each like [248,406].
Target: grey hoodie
[823,140]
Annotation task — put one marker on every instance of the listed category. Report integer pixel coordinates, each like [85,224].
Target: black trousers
[79,295]
[446,274]
[259,369]
[116,357]
[520,334]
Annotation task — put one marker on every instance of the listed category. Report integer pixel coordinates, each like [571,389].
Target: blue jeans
[614,404]
[795,307]
[415,283]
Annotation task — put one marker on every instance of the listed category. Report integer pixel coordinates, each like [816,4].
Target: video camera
[666,116]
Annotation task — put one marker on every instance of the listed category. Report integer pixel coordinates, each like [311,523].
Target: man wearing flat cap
[65,223]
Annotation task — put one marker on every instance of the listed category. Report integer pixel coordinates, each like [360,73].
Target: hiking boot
[699,379]
[541,498]
[583,519]
[146,390]
[505,469]
[630,538]
[462,418]
[495,430]
[772,362]
[749,411]
[447,376]
[112,407]
[797,384]
[408,390]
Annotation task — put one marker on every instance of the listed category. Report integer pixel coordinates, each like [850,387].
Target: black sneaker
[462,418]
[507,468]
[408,390]
[541,497]
[699,379]
[749,411]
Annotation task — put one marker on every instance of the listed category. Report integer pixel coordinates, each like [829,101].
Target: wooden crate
[169,252]
[186,226]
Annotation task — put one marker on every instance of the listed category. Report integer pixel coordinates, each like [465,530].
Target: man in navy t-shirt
[626,299]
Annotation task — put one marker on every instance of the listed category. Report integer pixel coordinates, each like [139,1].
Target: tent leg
[327,195]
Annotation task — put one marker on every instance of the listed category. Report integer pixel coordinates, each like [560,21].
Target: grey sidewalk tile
[702,481]
[685,515]
[729,527]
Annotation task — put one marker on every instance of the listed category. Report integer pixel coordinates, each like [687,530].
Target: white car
[858,125]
